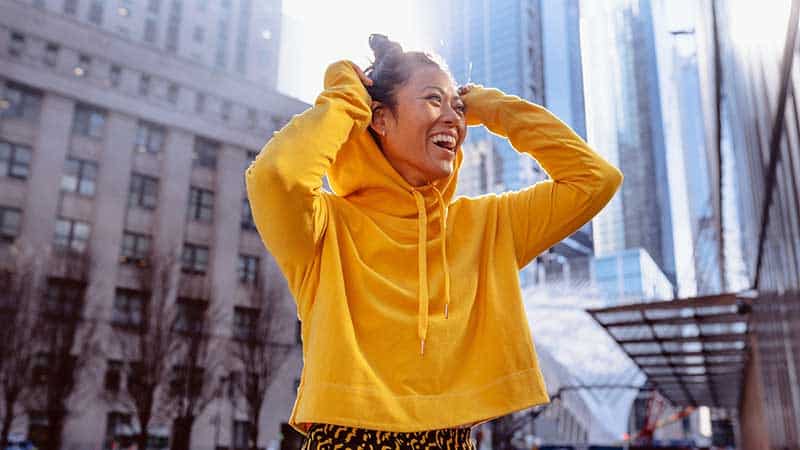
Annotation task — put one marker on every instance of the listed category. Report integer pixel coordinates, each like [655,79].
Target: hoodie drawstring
[422,263]
[422,256]
[445,267]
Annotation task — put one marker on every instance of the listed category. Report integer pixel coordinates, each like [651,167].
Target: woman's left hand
[465,92]
[464,89]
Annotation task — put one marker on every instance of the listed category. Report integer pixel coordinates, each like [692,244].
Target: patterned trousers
[337,437]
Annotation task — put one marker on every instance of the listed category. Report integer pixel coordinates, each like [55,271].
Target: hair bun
[382,47]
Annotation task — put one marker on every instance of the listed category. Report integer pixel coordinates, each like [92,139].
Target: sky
[316,33]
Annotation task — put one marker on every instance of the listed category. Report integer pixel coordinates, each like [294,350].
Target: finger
[361,75]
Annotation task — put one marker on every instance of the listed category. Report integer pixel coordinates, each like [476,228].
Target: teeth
[444,138]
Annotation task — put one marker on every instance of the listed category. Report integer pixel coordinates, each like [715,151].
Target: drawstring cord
[422,261]
[443,245]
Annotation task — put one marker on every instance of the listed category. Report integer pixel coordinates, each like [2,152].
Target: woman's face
[421,136]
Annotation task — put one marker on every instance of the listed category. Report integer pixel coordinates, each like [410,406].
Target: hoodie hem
[343,405]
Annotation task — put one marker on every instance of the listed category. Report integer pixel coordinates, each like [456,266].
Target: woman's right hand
[361,75]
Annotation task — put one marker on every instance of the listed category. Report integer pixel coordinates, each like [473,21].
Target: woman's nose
[449,114]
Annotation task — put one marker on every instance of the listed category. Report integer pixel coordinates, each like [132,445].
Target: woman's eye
[435,97]
[461,109]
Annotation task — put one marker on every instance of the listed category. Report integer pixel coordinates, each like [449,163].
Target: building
[742,361]
[749,52]
[236,36]
[116,138]
[624,122]
[628,276]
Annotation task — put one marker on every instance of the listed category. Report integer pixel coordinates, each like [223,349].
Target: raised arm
[581,182]
[284,182]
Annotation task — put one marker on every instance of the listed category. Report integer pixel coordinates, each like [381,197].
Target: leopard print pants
[337,437]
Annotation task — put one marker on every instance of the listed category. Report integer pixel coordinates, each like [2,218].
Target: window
[200,103]
[72,235]
[21,102]
[114,76]
[241,434]
[241,55]
[225,111]
[15,160]
[199,34]
[191,315]
[79,177]
[150,137]
[16,46]
[70,7]
[144,85]
[201,204]
[135,248]
[83,66]
[172,93]
[89,121]
[194,258]
[153,5]
[40,368]
[38,429]
[118,424]
[128,308]
[96,12]
[64,299]
[136,374]
[150,30]
[205,153]
[247,216]
[51,54]
[113,377]
[222,43]
[186,382]
[248,269]
[244,322]
[173,26]
[10,219]
[143,192]
[172,36]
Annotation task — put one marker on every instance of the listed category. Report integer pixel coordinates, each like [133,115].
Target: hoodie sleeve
[581,182]
[284,183]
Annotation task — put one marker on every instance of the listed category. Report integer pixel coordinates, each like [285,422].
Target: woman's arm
[284,183]
[581,182]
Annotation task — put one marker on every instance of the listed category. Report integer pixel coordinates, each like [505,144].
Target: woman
[412,319]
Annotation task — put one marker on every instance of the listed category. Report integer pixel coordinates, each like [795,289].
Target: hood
[363,175]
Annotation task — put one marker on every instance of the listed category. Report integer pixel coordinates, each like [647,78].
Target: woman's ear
[378,117]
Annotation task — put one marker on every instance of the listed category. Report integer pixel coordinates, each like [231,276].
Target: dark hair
[392,67]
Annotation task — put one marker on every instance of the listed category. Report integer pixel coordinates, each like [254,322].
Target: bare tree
[64,342]
[259,348]
[194,382]
[20,292]
[147,342]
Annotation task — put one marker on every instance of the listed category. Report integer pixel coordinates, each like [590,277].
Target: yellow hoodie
[412,316]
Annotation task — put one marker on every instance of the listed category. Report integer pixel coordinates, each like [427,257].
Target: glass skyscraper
[625,124]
